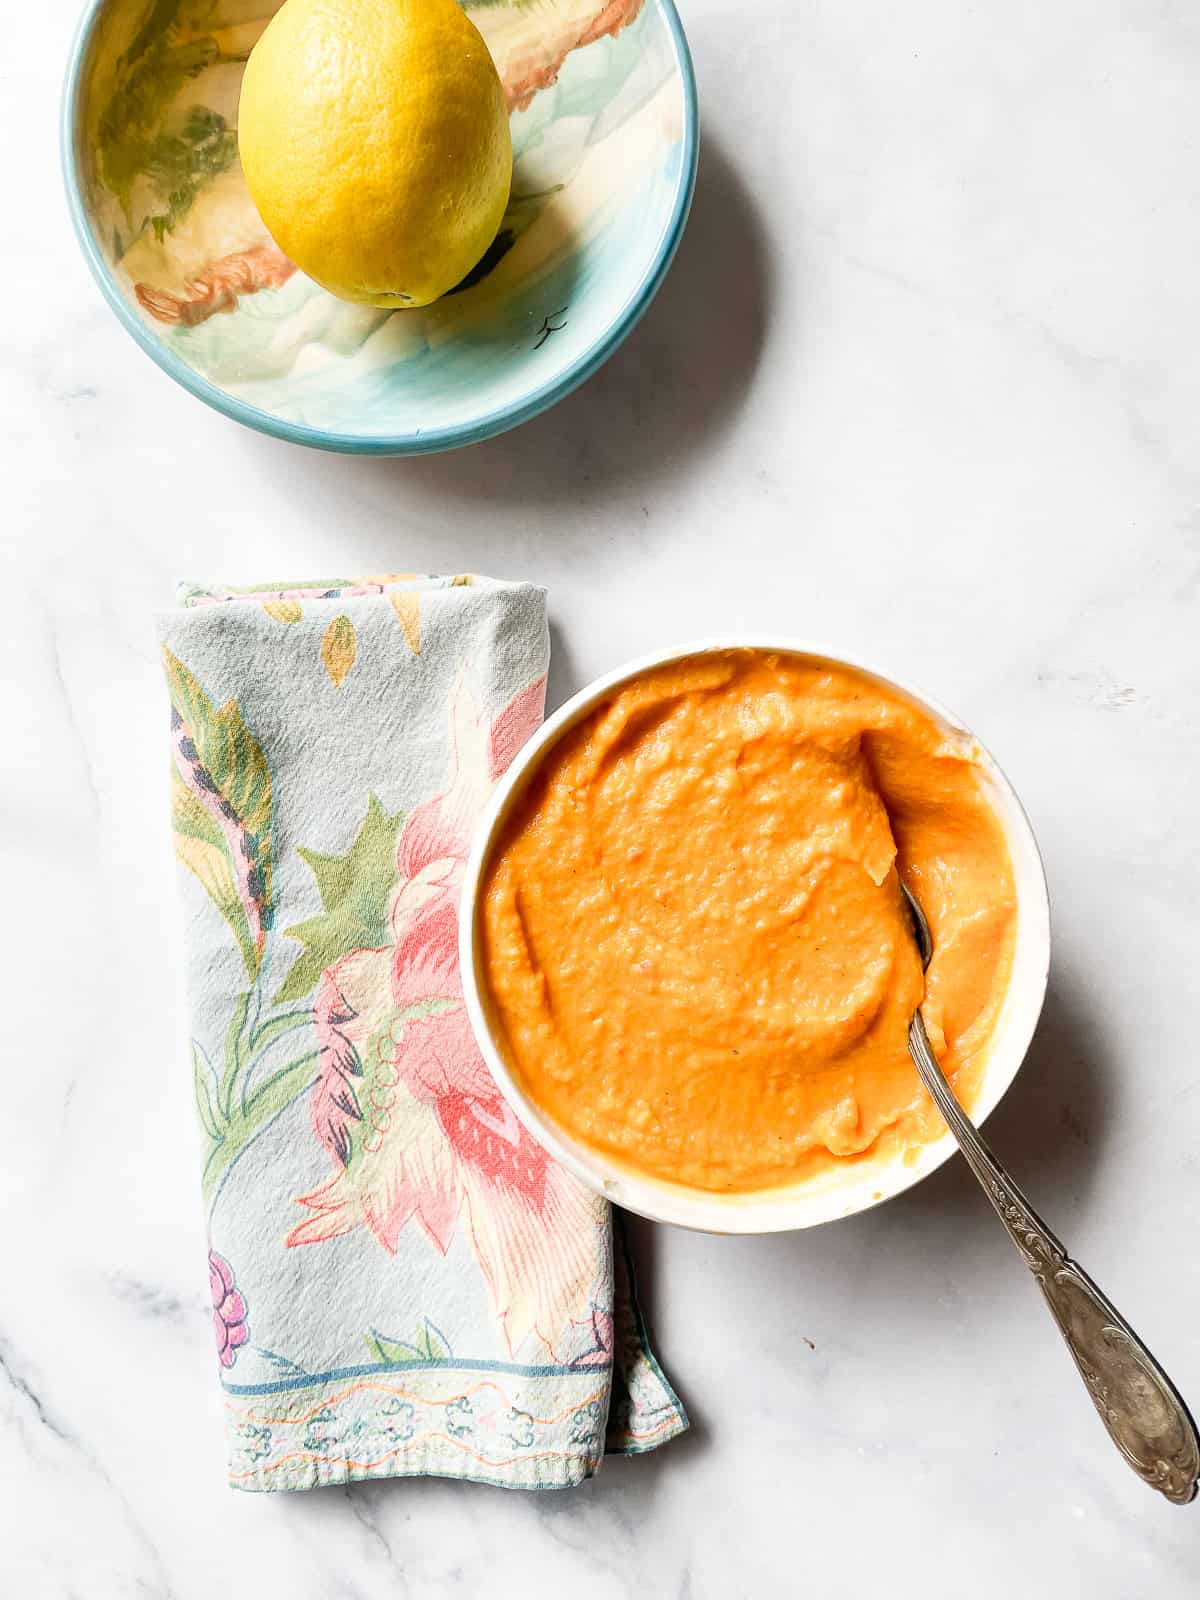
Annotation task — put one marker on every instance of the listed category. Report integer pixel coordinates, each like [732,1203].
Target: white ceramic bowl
[839,1192]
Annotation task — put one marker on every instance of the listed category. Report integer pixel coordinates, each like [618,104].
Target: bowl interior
[843,1190]
[603,126]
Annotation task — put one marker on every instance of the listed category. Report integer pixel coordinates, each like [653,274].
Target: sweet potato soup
[697,954]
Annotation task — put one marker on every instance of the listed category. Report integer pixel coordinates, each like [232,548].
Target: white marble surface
[924,382]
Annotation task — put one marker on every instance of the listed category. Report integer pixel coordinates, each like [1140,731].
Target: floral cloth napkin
[402,1281]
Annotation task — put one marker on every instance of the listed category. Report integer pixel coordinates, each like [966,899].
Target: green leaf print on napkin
[429,1343]
[354,891]
[244,1098]
[221,809]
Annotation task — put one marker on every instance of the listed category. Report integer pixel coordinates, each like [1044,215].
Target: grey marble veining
[923,385]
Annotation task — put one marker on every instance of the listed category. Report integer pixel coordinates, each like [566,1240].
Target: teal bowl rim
[417,442]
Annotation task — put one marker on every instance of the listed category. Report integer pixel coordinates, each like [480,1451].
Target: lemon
[374,140]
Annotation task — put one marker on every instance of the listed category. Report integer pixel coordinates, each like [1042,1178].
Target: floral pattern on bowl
[604,136]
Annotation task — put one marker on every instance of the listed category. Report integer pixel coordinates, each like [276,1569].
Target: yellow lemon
[374,139]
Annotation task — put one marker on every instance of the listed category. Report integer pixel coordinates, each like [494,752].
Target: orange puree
[698,957]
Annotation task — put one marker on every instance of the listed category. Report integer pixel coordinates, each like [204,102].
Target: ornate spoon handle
[1144,1413]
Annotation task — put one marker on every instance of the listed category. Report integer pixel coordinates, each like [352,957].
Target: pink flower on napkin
[403,1102]
[229,1310]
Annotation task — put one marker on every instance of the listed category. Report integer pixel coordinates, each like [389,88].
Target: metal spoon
[1143,1411]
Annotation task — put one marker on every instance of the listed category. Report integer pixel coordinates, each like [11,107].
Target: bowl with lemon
[380,226]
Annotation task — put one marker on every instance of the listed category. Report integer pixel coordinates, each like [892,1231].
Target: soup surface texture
[697,955]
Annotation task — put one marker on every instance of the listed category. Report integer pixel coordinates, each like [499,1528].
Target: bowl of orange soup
[686,955]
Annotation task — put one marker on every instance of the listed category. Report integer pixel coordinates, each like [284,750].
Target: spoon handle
[1144,1413]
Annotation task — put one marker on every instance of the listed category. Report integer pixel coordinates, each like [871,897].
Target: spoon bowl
[920,926]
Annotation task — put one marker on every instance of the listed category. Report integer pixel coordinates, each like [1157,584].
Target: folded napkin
[402,1281]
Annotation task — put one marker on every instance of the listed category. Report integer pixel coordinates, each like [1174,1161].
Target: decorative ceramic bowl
[603,115]
[842,1191]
